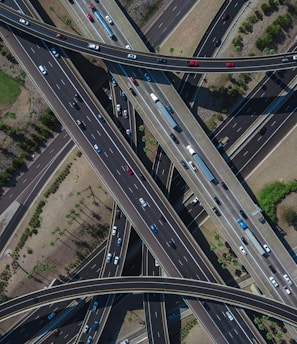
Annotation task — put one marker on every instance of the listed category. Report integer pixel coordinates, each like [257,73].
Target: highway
[146,59]
[123,285]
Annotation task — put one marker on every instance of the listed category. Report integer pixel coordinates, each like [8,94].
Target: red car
[230,64]
[134,80]
[193,63]
[89,17]
[129,171]
[225,16]
[91,6]
[59,35]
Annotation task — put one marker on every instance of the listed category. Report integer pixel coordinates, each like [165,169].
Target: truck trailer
[251,237]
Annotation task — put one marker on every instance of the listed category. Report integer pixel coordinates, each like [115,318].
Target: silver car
[132,56]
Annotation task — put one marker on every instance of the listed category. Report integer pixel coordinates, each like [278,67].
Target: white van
[42,70]
[93,46]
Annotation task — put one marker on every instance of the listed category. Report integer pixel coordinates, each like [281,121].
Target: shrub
[266,9]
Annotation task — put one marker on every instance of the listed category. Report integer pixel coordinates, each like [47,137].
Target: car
[294,58]
[287,279]
[96,326]
[223,185]
[51,316]
[141,176]
[114,230]
[266,248]
[116,260]
[205,305]
[272,269]
[147,77]
[287,290]
[129,171]
[126,341]
[184,165]
[161,60]
[60,36]
[169,108]
[128,47]
[56,332]
[132,78]
[78,97]
[154,229]
[113,81]
[42,70]
[93,46]
[225,16]
[80,124]
[125,114]
[171,243]
[54,52]
[230,64]
[285,59]
[217,200]
[273,281]
[74,104]
[128,132]
[92,7]
[119,108]
[262,131]
[243,214]
[242,224]
[86,329]
[91,19]
[109,20]
[174,138]
[244,240]
[101,118]
[195,201]
[97,148]
[123,94]
[217,42]
[243,251]
[108,257]
[215,209]
[132,91]
[142,202]
[157,264]
[132,56]
[230,316]
[192,165]
[119,242]
[90,339]
[193,63]
[24,22]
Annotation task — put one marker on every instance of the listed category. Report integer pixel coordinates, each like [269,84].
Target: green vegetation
[291,217]
[9,89]
[55,186]
[185,330]
[273,194]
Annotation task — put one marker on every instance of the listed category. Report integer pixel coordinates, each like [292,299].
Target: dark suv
[217,200]
[172,244]
[174,138]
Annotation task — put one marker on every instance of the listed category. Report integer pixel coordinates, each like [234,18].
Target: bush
[291,217]
[266,9]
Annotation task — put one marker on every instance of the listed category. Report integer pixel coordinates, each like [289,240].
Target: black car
[78,97]
[172,244]
[141,176]
[217,200]
[262,131]
[184,165]
[174,138]
[215,209]
[244,241]
[217,42]
[74,104]
[132,91]
[243,214]
[272,269]
[161,60]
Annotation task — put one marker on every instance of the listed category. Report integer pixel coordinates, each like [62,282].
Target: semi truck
[103,23]
[200,163]
[165,113]
[251,237]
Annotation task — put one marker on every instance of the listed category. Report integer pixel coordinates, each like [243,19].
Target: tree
[269,335]
[157,49]
[212,247]
[220,260]
[257,320]
[291,217]
[144,138]
[217,236]
[171,50]
[141,128]
[180,52]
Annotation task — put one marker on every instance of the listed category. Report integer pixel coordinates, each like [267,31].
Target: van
[93,46]
[193,63]
[42,70]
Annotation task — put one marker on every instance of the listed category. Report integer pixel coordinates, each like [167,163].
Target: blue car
[51,316]
[147,76]
[154,229]
[97,148]
[96,326]
[54,52]
[113,80]
[242,224]
[95,305]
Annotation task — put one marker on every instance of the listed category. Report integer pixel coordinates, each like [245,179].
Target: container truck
[251,237]
[200,163]
[165,113]
[103,23]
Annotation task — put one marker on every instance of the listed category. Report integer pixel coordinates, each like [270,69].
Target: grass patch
[9,89]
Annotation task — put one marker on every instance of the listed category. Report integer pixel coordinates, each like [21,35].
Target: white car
[86,329]
[24,21]
[287,290]
[42,70]
[157,264]
[114,230]
[243,251]
[132,56]
[128,132]
[266,248]
[195,201]
[273,281]
[128,47]
[119,109]
[93,46]
[109,20]
[287,279]
[125,114]
[295,57]
[142,202]
[192,165]
[230,316]
[116,260]
[108,258]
